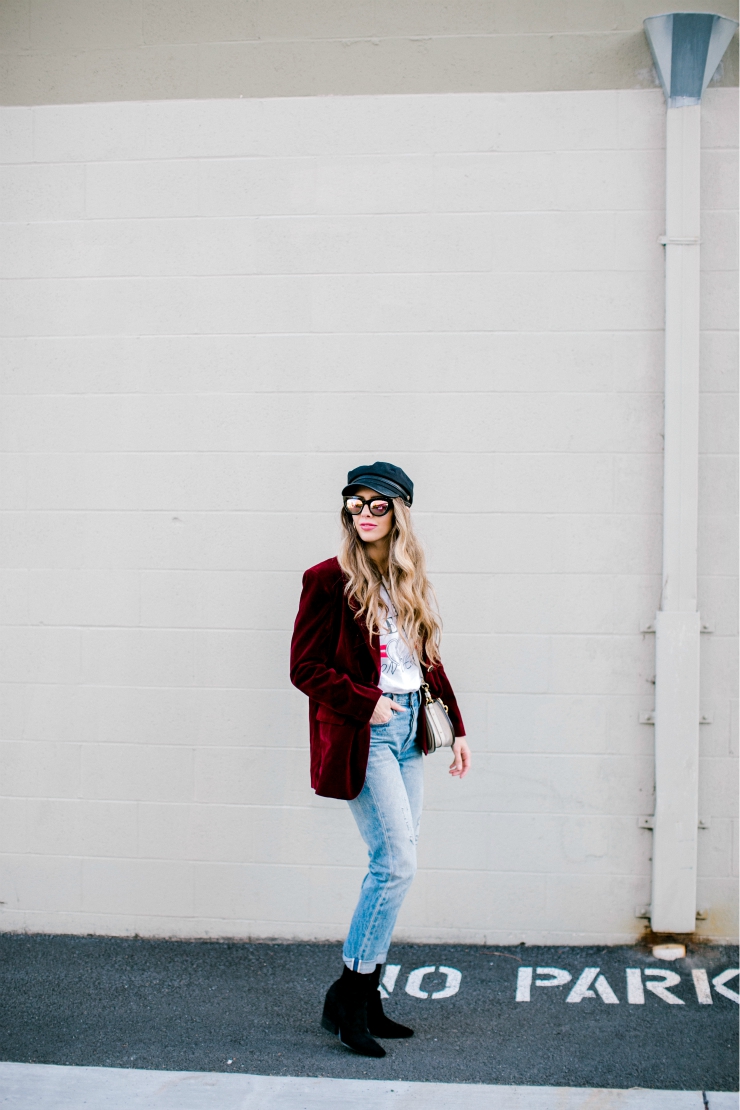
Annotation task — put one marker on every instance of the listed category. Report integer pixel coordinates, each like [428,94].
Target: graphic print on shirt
[399,669]
[394,653]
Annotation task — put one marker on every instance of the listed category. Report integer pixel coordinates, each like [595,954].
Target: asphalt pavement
[580,1021]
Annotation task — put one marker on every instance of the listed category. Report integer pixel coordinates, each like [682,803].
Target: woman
[366,637]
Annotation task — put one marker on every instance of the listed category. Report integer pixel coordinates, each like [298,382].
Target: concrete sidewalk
[50,1087]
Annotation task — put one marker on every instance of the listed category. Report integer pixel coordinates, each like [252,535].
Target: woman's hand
[384,710]
[460,757]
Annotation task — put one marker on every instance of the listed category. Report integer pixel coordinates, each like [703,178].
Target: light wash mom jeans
[387,811]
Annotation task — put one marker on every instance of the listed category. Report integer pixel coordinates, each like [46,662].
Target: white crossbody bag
[440,733]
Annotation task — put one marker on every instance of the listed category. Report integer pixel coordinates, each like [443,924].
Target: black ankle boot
[377,1022]
[345,1012]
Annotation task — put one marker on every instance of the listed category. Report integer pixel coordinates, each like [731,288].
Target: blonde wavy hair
[407,584]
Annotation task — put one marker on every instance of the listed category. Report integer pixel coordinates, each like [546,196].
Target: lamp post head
[687,47]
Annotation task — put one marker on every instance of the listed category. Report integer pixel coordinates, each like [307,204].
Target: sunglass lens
[353,505]
[379,508]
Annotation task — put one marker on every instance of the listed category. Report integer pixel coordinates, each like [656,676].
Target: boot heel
[329,1025]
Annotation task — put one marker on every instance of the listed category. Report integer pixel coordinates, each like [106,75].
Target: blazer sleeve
[311,649]
[439,684]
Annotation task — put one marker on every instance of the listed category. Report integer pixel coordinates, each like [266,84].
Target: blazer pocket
[323,713]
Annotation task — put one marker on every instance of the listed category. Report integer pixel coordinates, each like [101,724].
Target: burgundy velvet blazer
[333,661]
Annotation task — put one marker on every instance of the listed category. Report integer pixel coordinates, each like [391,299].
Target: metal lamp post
[687,48]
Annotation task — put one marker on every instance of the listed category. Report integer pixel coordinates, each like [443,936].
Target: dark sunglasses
[378,506]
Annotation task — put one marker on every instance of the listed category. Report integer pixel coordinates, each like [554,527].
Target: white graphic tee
[399,668]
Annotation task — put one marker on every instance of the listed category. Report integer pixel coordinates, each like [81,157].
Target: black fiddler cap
[385,478]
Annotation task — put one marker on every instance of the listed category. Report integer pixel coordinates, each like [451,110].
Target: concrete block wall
[210,311]
[81,50]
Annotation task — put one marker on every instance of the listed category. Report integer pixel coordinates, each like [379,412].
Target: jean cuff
[365,967]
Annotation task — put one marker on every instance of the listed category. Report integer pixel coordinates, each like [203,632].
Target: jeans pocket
[386,733]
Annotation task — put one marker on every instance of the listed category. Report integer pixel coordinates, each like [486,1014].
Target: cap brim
[384,488]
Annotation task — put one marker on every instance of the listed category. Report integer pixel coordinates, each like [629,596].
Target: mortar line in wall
[83,395]
[237,453]
[252,393]
[591,634]
[328,275]
[315,213]
[454,868]
[290,690]
[287,630]
[420,514]
[324,513]
[310,275]
[136,337]
[259,631]
[335,216]
[336,866]
[266,453]
[316,804]
[545,757]
[431,334]
[502,814]
[383,332]
[372,38]
[636,752]
[352,155]
[245,748]
[113,571]
[271,570]
[641,750]
[182,452]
